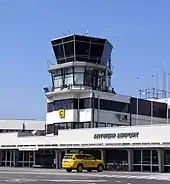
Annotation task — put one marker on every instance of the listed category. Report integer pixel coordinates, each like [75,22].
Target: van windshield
[68,156]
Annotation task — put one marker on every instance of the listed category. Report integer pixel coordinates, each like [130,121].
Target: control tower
[81,75]
[81,61]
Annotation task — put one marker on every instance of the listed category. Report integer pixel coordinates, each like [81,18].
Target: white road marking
[57,180]
[68,180]
[117,181]
[159,177]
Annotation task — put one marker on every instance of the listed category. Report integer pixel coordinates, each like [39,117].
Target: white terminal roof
[17,124]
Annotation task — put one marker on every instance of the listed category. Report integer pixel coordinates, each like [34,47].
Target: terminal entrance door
[8,158]
[25,158]
[145,160]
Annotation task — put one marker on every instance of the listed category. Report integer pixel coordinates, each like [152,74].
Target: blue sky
[139,30]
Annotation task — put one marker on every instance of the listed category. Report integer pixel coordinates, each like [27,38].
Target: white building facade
[84,113]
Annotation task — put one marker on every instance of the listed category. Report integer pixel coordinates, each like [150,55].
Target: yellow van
[81,162]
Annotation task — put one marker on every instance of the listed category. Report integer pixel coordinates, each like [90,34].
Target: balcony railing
[75,87]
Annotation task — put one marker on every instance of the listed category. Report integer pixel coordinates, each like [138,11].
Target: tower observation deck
[81,61]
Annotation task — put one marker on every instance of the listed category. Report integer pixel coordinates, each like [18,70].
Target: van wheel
[68,170]
[79,168]
[100,168]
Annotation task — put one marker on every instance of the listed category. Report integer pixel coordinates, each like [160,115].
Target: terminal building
[84,113]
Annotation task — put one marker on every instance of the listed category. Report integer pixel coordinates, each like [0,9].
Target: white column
[130,160]
[14,157]
[58,159]
[103,156]
[161,160]
[10,159]
[34,158]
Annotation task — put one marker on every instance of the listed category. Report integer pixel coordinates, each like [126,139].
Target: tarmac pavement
[52,176]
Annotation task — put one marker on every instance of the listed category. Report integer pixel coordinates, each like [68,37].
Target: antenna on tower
[164,83]
[48,62]
[86,32]
[69,31]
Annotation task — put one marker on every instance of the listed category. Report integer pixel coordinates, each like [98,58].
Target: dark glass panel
[66,104]
[69,49]
[137,156]
[82,38]
[50,107]
[133,105]
[50,129]
[57,41]
[144,107]
[85,103]
[159,109]
[58,51]
[98,40]
[82,48]
[96,50]
[167,157]
[154,157]
[106,53]
[146,157]
[114,106]
[68,38]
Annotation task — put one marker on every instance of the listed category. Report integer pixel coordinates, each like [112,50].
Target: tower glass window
[81,48]
[79,75]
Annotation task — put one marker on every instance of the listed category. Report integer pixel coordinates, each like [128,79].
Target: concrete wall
[17,124]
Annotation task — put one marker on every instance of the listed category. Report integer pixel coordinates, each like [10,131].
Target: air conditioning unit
[122,117]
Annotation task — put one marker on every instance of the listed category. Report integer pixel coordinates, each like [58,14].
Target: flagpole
[167,85]
[137,103]
[152,100]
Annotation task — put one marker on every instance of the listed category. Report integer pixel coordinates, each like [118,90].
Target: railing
[75,86]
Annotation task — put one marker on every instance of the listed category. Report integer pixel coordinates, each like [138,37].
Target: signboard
[28,148]
[116,135]
[61,113]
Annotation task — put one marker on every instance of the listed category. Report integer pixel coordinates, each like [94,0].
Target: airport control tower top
[82,60]
[81,48]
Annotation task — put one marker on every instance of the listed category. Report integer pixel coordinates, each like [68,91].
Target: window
[114,106]
[159,110]
[50,107]
[58,81]
[79,75]
[144,108]
[79,78]
[58,51]
[90,158]
[69,49]
[50,129]
[81,157]
[82,48]
[68,79]
[66,104]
